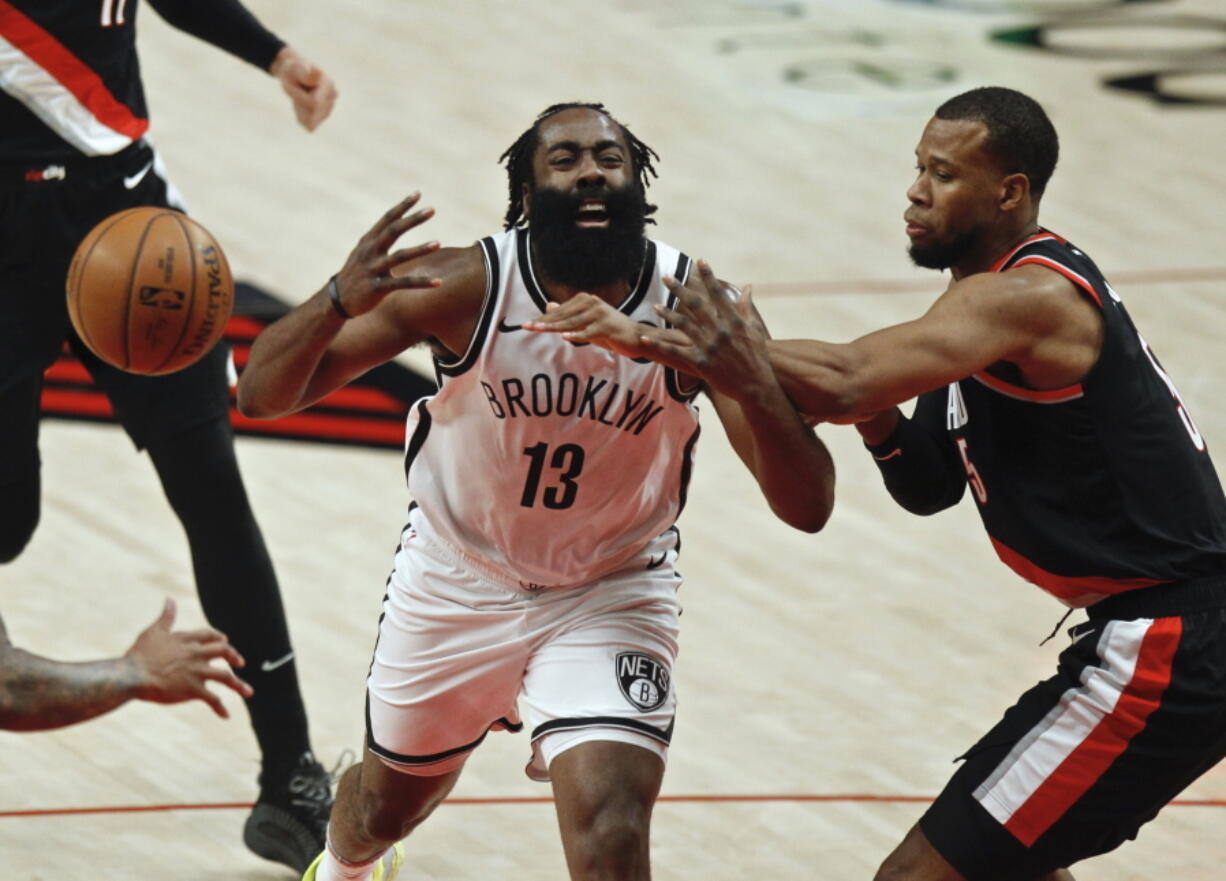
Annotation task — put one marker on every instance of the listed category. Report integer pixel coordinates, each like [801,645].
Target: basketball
[149,290]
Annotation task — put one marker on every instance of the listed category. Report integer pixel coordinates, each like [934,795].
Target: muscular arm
[1030,316]
[312,351]
[37,693]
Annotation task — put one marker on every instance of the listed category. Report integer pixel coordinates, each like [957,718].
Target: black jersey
[1090,490]
[70,81]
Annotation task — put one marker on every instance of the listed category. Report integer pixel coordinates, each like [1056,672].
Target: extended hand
[173,667]
[725,339]
[311,90]
[366,277]
[585,318]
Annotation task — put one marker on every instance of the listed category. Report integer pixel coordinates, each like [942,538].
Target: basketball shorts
[461,652]
[45,210]
[1135,713]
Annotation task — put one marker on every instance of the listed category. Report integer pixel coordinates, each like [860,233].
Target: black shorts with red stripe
[1135,713]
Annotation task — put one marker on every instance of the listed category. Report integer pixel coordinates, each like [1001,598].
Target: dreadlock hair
[518,159]
[1020,135]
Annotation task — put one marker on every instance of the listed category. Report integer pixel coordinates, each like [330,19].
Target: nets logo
[162,298]
[642,679]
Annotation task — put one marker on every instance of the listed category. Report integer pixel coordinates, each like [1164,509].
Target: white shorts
[460,652]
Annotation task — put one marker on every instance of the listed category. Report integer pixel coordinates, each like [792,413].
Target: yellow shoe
[389,867]
[309,874]
[385,870]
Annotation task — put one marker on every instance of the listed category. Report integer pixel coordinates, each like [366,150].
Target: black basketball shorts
[1135,713]
[45,210]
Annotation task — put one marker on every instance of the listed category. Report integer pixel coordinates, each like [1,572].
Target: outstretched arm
[162,665]
[315,349]
[1030,316]
[228,25]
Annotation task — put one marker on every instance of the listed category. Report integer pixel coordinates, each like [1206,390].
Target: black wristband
[334,295]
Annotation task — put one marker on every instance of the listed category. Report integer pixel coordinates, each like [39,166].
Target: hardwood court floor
[815,669]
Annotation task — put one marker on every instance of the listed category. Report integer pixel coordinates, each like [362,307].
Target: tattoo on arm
[37,693]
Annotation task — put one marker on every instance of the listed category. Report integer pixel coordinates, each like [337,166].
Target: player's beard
[944,254]
[588,257]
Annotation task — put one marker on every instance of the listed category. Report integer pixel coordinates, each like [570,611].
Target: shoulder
[1032,295]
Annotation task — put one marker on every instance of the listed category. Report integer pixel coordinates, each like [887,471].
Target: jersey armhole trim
[674,381]
[489,253]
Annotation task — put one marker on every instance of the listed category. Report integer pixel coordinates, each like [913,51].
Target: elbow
[813,516]
[250,405]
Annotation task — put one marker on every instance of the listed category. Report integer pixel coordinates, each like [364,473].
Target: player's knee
[612,843]
[389,819]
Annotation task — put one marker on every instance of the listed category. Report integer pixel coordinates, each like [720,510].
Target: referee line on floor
[844,798]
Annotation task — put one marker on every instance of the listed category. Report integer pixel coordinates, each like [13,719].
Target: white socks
[332,869]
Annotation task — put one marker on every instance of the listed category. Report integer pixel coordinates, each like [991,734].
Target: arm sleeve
[226,24]
[921,468]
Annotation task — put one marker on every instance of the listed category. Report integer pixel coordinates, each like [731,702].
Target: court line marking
[509,800]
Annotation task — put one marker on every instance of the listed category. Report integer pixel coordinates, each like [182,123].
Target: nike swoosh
[1080,636]
[890,455]
[131,182]
[508,328]
[269,666]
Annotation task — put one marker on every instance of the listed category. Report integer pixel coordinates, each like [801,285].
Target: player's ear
[1014,189]
[525,200]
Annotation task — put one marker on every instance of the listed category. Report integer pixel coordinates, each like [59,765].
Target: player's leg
[605,792]
[376,806]
[1136,712]
[20,481]
[598,693]
[446,669]
[182,421]
[38,220]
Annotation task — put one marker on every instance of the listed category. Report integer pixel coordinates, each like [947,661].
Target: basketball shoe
[385,870]
[289,822]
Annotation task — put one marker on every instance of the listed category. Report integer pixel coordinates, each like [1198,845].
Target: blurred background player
[73,151]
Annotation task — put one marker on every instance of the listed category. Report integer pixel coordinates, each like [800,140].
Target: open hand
[724,338]
[176,666]
[310,89]
[366,277]
[585,318]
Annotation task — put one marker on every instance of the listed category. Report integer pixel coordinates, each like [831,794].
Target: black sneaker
[289,823]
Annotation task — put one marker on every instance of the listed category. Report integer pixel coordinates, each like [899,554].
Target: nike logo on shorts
[131,182]
[269,666]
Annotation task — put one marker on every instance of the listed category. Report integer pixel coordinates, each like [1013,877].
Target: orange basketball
[149,290]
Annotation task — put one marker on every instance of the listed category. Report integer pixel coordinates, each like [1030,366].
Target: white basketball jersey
[551,461]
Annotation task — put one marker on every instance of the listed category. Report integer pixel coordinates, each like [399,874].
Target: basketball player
[162,666]
[73,151]
[1092,479]
[536,569]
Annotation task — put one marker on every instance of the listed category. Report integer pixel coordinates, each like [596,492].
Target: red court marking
[518,800]
[934,284]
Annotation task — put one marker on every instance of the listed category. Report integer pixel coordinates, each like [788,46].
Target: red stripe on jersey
[1082,768]
[1075,591]
[1038,237]
[86,86]
[1038,396]
[1076,279]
